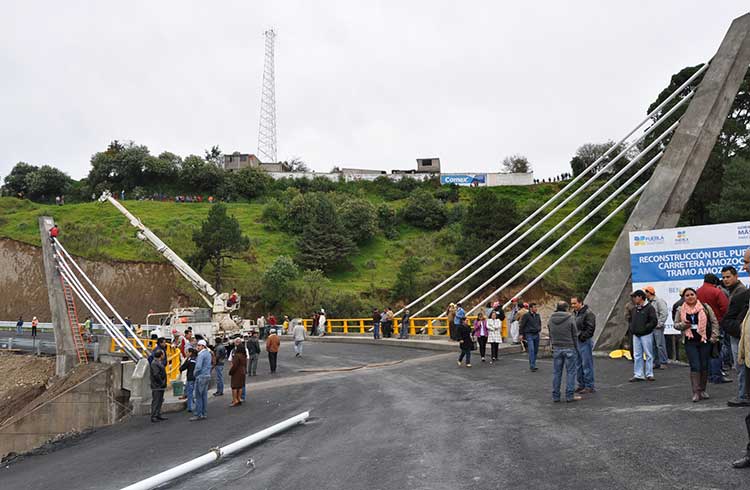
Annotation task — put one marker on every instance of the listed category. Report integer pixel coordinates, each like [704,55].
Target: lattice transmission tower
[267,126]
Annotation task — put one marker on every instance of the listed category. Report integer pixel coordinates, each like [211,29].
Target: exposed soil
[28,382]
[24,378]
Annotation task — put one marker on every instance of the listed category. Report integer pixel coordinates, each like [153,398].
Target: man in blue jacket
[202,377]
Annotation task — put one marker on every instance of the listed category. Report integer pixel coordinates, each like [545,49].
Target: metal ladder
[70,306]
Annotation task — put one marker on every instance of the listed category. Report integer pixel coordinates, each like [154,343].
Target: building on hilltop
[237,161]
[428,165]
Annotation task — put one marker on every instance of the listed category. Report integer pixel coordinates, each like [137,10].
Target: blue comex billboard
[464,179]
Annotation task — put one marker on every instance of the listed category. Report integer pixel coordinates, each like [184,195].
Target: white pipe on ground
[215,454]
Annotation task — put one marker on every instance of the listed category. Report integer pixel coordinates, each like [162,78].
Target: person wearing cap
[643,321]
[299,334]
[700,329]
[660,342]
[202,378]
[272,347]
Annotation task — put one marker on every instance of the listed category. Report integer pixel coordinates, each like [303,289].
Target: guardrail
[432,326]
[173,355]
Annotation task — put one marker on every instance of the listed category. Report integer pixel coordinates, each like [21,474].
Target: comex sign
[468,179]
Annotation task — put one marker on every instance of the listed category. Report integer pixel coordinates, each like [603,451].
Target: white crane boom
[206,291]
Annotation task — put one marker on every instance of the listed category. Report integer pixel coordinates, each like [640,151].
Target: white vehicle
[210,322]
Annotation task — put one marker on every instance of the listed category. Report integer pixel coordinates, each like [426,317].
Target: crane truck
[216,319]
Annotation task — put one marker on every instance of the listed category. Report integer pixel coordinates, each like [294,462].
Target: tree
[276,283]
[387,221]
[199,176]
[214,156]
[359,220]
[323,244]
[588,153]
[516,164]
[732,142]
[313,287]
[735,193]
[47,182]
[424,211]
[250,182]
[218,239]
[120,167]
[296,164]
[406,279]
[477,234]
[16,182]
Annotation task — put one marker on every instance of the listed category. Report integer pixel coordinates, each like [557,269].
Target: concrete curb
[432,345]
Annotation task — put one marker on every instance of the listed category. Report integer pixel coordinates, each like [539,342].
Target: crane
[217,302]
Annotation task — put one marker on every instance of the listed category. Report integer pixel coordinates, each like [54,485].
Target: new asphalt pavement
[422,423]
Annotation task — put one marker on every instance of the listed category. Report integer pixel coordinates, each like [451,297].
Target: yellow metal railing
[173,355]
[432,326]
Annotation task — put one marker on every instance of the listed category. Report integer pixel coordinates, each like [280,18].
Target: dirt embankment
[24,379]
[132,287]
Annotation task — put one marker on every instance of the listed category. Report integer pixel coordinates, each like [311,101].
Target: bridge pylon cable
[567,187]
[609,181]
[572,249]
[568,233]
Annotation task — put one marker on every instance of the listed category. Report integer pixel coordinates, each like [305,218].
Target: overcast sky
[358,84]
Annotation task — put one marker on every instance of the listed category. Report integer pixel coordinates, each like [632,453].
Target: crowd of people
[201,362]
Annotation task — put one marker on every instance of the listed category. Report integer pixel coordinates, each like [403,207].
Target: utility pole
[267,125]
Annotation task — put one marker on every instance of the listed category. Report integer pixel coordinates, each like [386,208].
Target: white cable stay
[570,250]
[567,234]
[570,184]
[94,309]
[102,297]
[609,181]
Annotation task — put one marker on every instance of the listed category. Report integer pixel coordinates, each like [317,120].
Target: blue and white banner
[464,179]
[675,258]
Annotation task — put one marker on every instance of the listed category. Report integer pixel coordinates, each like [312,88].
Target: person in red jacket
[54,232]
[710,294]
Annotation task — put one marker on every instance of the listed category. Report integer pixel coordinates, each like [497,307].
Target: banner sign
[675,258]
[467,180]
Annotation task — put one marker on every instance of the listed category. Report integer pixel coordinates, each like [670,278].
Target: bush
[359,220]
[387,221]
[276,283]
[250,182]
[273,214]
[407,285]
[424,211]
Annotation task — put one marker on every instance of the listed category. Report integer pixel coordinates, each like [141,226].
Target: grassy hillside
[99,231]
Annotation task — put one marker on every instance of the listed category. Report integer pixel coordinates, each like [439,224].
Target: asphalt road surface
[423,423]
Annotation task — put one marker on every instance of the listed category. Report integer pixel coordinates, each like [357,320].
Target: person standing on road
[253,352]
[272,347]
[158,385]
[660,341]
[514,321]
[375,324]
[700,329]
[563,335]
[643,321]
[460,316]
[19,326]
[452,325]
[529,330]
[481,333]
[238,372]
[465,344]
[34,325]
[322,323]
[586,326]
[710,294]
[188,366]
[389,319]
[202,379]
[221,355]
[731,324]
[403,329]
[298,335]
[261,321]
[743,360]
[495,337]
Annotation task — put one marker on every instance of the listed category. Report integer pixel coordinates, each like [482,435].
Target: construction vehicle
[214,320]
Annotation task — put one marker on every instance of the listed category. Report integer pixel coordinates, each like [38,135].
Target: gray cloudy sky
[359,84]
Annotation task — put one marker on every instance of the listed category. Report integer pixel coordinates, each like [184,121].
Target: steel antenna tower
[267,125]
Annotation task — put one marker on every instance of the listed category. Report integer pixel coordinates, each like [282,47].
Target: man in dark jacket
[529,330]
[586,325]
[643,321]
[158,385]
[563,335]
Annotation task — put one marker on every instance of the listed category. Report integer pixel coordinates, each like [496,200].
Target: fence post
[362,326]
[346,327]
